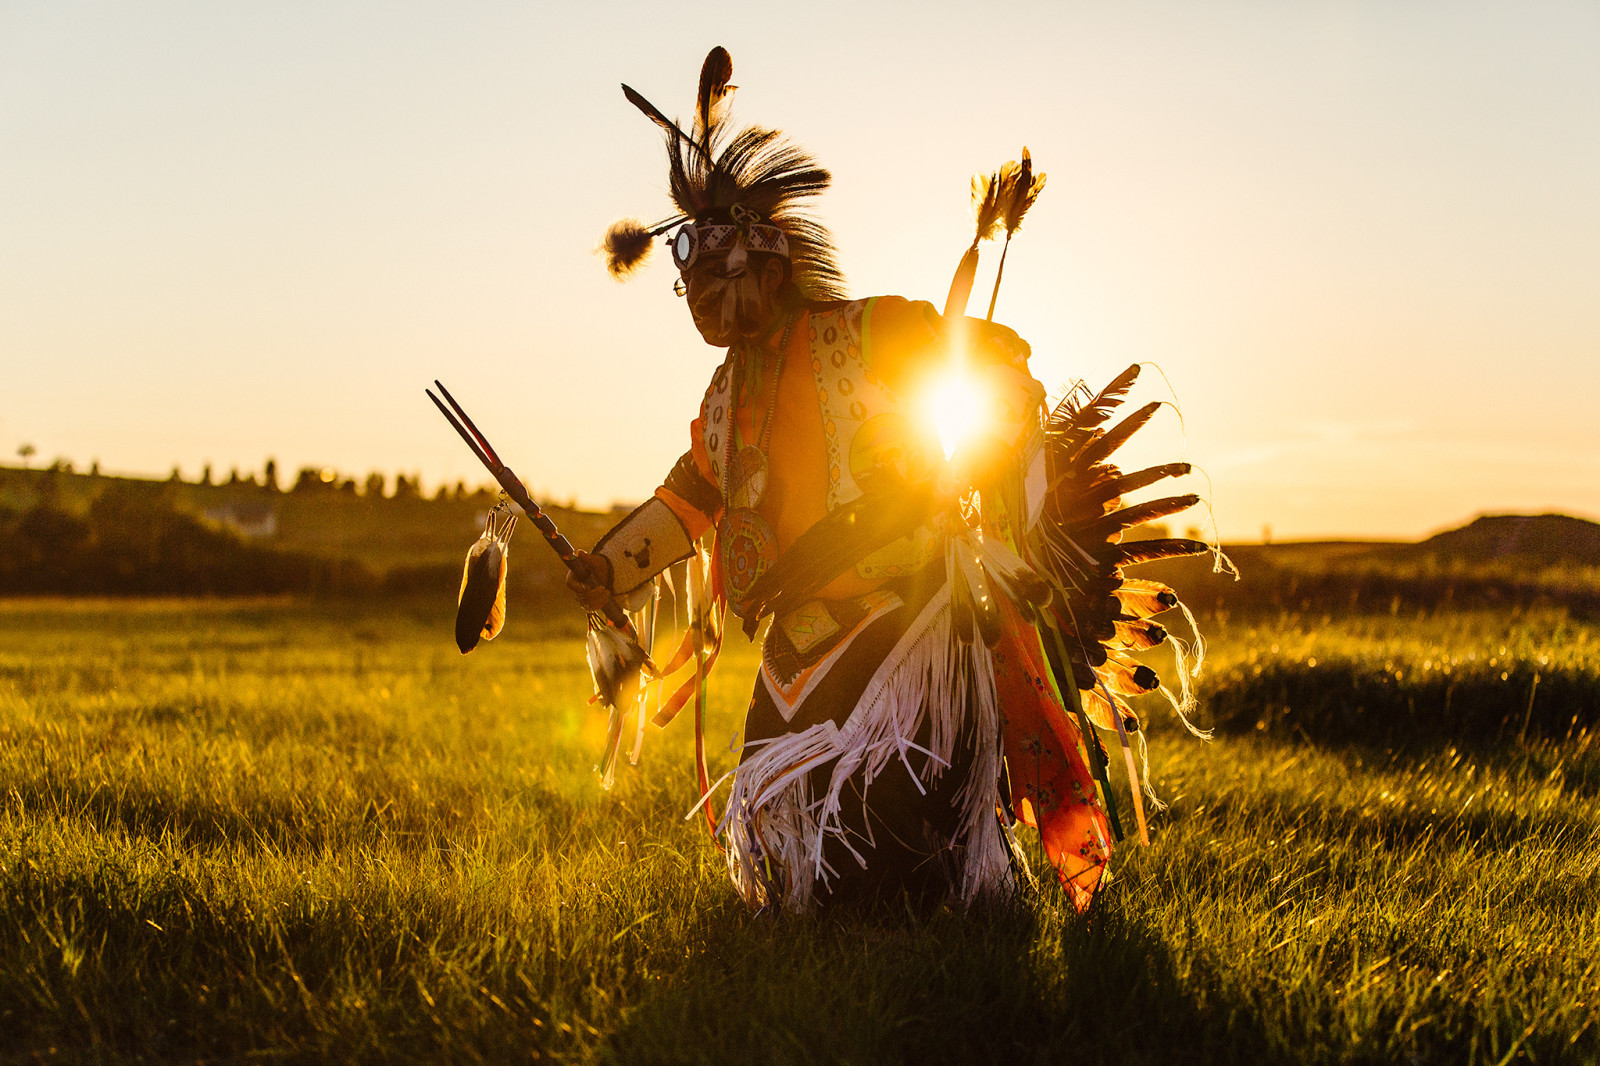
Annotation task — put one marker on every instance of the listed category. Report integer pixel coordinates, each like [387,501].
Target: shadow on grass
[114,963]
[1020,984]
[1357,701]
[1397,827]
[286,822]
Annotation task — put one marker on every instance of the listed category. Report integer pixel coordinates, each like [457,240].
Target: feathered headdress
[732,188]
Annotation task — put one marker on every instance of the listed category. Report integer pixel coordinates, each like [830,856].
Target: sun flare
[956,404]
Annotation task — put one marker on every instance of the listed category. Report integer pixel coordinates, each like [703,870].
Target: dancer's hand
[593,594]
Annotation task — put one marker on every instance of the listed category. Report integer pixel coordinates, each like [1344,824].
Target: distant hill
[1549,539]
[67,532]
[219,538]
[1494,561]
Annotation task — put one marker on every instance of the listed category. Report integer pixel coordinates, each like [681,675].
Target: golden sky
[1362,240]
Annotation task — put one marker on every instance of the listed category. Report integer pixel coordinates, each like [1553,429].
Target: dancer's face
[728,304]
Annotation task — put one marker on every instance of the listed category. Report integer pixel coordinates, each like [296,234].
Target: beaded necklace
[747,464]
[746,541]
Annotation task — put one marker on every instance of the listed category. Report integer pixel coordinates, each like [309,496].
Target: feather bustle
[1138,514]
[1142,598]
[1145,551]
[1115,437]
[1069,415]
[1140,636]
[1118,484]
[1131,678]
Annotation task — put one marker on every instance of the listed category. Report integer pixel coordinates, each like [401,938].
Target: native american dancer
[950,622]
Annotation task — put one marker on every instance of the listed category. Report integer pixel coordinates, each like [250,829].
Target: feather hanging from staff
[615,663]
[1019,188]
[481,605]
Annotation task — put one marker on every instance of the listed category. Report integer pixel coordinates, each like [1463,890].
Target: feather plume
[711,103]
[986,205]
[481,604]
[1020,187]
[769,177]
[653,113]
[626,246]
[1101,615]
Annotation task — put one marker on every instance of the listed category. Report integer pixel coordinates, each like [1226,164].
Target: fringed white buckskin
[775,827]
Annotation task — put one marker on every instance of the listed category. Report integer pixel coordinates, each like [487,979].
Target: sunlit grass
[231,831]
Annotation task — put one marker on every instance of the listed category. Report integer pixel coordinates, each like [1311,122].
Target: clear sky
[1361,239]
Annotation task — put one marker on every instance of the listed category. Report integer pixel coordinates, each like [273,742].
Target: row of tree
[309,479]
[375,485]
[133,541]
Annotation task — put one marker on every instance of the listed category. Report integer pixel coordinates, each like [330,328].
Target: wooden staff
[613,613]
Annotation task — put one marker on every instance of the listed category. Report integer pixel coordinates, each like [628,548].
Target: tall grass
[265,830]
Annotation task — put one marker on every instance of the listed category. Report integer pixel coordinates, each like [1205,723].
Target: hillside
[397,541]
[1493,561]
[1548,539]
[341,538]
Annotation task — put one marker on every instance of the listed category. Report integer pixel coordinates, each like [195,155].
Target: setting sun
[957,404]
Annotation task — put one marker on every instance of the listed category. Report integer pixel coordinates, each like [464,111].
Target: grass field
[281,832]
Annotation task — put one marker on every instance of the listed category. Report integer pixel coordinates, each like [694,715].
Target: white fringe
[1188,660]
[772,818]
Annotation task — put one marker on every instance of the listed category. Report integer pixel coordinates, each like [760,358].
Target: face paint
[727,299]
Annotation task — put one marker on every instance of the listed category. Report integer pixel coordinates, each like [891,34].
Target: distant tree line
[133,541]
[67,533]
[323,479]
[307,479]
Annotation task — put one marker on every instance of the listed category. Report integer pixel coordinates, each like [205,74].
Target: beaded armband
[643,544]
